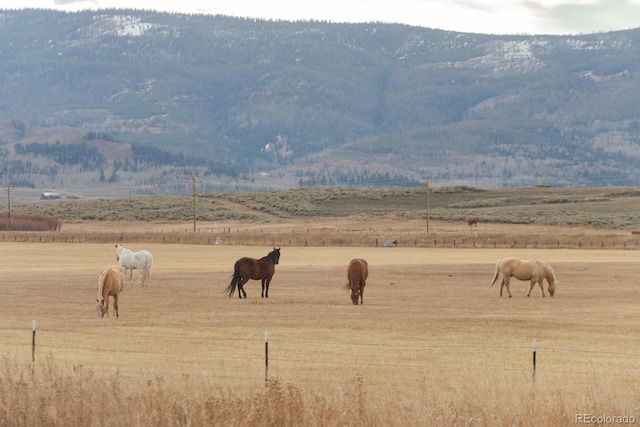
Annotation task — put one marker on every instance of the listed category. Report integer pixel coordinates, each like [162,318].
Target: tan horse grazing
[111,283]
[534,270]
[357,273]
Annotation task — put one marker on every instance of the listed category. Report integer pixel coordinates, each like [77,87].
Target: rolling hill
[126,102]
[596,207]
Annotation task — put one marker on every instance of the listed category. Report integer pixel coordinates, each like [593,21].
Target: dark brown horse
[110,284]
[472,222]
[246,269]
[357,274]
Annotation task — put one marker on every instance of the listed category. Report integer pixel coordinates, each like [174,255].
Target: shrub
[29,223]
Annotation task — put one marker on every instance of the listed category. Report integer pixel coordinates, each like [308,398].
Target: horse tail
[235,279]
[495,275]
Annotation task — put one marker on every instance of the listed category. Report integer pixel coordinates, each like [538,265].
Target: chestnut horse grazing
[534,270]
[357,273]
[111,283]
[246,269]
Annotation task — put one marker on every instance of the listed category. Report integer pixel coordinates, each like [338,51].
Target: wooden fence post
[266,359]
[534,346]
[33,342]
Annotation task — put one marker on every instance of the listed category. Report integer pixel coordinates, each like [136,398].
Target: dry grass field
[430,346]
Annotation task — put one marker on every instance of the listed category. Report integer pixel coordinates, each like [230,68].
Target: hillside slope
[249,105]
[604,208]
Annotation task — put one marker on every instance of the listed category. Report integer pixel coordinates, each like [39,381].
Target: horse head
[275,255]
[100,308]
[551,279]
[355,294]
[355,291]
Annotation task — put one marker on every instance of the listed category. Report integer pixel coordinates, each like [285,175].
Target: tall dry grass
[48,394]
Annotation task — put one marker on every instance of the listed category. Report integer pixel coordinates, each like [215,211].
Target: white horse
[129,260]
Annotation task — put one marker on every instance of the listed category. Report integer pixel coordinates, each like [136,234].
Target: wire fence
[298,238]
[410,359]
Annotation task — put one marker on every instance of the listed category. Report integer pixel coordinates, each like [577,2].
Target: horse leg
[146,274]
[115,304]
[541,283]
[241,287]
[143,277]
[132,277]
[505,281]
[141,274]
[124,274]
[265,287]
[361,294]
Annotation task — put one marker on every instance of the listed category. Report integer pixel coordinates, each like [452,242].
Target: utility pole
[427,206]
[9,204]
[195,195]
[194,204]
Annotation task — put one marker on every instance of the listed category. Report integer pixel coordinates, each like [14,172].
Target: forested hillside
[131,102]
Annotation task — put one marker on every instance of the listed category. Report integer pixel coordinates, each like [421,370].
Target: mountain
[134,102]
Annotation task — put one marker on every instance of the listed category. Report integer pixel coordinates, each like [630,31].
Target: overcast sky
[477,16]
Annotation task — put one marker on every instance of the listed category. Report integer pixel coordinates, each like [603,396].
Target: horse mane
[551,273]
[103,275]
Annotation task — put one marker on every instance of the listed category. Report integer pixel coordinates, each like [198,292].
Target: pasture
[432,345]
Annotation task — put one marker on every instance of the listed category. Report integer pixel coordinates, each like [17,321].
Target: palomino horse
[246,269]
[357,273]
[534,270]
[129,260]
[111,283]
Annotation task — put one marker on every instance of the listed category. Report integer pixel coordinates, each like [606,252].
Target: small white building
[48,195]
